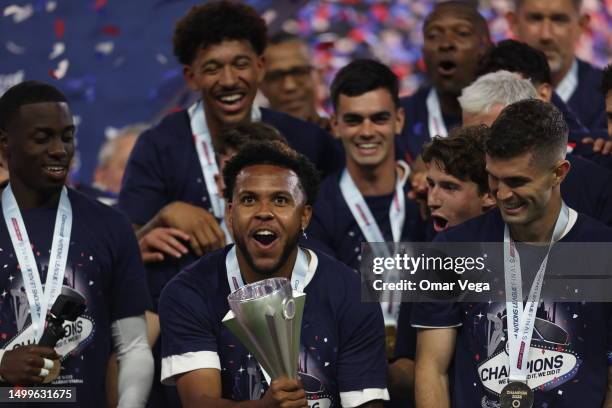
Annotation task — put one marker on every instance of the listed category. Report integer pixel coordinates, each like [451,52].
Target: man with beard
[270,190]
[170,177]
[56,239]
[554,27]
[455,37]
[525,162]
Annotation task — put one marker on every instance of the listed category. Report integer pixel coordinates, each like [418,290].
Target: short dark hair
[530,125]
[577,4]
[462,154]
[212,23]
[517,57]
[606,80]
[236,137]
[282,37]
[462,9]
[277,154]
[361,76]
[26,93]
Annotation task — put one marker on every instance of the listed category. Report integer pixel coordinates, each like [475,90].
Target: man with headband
[56,240]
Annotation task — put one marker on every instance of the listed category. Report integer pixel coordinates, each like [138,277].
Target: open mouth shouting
[447,68]
[439,223]
[265,239]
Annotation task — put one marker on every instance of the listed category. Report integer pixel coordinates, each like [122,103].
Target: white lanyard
[300,277]
[569,83]
[435,122]
[362,214]
[521,321]
[371,231]
[40,301]
[206,156]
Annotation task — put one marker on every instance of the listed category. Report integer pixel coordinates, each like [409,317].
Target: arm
[202,388]
[435,348]
[135,360]
[608,402]
[401,377]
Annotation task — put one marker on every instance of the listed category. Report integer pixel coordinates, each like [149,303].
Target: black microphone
[69,305]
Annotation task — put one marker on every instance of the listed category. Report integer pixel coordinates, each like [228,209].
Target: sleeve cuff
[351,399]
[442,326]
[182,363]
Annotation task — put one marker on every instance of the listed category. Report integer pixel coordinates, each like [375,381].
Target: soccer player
[525,162]
[65,239]
[587,188]
[365,202]
[554,27]
[455,37]
[270,190]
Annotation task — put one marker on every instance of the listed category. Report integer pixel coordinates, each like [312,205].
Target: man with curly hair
[270,191]
[169,180]
[606,89]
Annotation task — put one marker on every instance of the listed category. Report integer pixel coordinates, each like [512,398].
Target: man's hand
[204,232]
[285,393]
[322,122]
[600,145]
[160,241]
[23,365]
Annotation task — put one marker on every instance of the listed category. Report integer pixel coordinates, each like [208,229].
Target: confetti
[19,13]
[162,59]
[50,6]
[59,27]
[105,47]
[61,70]
[58,49]
[14,48]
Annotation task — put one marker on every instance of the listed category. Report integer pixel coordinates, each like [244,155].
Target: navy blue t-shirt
[164,167]
[587,101]
[334,230]
[342,340]
[104,265]
[416,130]
[588,189]
[567,372]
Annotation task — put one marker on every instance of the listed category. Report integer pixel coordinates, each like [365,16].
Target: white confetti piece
[14,48]
[19,13]
[62,69]
[58,49]
[91,283]
[575,316]
[51,6]
[326,363]
[105,47]
[162,59]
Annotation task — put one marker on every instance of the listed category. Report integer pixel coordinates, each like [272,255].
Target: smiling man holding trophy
[214,356]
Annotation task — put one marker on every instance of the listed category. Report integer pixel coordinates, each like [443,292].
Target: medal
[516,395]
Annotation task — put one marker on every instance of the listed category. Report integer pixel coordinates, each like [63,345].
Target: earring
[304,234]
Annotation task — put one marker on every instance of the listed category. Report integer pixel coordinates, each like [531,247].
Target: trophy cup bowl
[267,318]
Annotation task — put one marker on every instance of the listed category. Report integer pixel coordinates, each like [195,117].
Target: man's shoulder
[288,125]
[174,124]
[90,207]
[416,99]
[589,72]
[588,229]
[333,274]
[487,227]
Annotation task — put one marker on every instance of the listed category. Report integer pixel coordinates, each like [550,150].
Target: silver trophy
[267,318]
